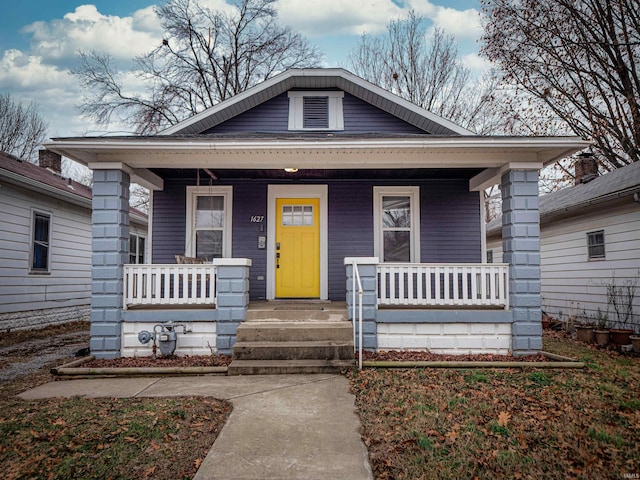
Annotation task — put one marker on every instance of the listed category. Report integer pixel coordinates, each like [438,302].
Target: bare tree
[22,129]
[578,59]
[206,57]
[426,70]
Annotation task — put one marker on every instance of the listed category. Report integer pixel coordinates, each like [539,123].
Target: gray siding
[350,230]
[169,221]
[68,283]
[251,199]
[273,117]
[450,225]
[362,117]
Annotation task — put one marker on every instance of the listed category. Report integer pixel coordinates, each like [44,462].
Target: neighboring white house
[590,234]
[45,244]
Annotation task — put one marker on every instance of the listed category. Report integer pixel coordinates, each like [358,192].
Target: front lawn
[505,423]
[155,438]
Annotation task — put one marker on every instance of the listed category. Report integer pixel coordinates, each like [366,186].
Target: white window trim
[297,191]
[604,246]
[192,194]
[35,212]
[138,237]
[414,197]
[336,115]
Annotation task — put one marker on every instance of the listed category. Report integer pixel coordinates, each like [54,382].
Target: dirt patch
[14,337]
[26,352]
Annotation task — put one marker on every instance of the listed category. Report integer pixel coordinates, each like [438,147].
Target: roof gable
[272,116]
[316,79]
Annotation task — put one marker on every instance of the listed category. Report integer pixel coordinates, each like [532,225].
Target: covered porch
[453,306]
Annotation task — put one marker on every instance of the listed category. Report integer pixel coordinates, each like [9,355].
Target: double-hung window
[397,224]
[40,242]
[136,248]
[595,245]
[209,222]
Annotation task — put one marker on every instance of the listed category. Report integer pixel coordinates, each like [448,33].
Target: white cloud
[87,29]
[338,17]
[476,64]
[27,72]
[463,24]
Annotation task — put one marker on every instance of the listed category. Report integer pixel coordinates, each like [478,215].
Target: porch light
[291,170]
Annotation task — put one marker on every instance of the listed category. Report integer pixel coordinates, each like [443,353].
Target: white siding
[446,338]
[572,285]
[68,283]
[201,340]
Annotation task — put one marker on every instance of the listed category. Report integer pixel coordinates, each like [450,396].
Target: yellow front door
[297,248]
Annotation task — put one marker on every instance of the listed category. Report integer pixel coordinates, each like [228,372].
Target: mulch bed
[406,356]
[168,361]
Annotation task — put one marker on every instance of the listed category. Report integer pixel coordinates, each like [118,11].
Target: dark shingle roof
[43,175]
[620,182]
[65,186]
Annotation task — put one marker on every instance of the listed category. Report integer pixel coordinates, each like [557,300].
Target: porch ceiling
[323,174]
[328,152]
[320,152]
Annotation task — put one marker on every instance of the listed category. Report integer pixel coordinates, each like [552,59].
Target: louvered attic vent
[315,112]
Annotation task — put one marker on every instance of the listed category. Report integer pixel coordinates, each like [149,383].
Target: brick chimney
[586,168]
[50,160]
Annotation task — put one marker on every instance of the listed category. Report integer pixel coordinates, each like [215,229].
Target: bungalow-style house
[590,237]
[45,244]
[305,187]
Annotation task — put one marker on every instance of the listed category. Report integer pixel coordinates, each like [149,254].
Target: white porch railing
[169,284]
[447,285]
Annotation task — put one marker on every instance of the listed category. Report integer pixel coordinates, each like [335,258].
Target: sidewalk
[282,426]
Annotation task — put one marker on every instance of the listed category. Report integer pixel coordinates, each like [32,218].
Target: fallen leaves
[169,361]
[104,438]
[503,419]
[485,424]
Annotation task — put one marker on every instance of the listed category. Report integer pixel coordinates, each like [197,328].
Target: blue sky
[39,39]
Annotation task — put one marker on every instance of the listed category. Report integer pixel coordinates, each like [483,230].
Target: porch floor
[297,311]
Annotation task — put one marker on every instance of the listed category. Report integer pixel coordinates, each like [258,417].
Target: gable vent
[315,112]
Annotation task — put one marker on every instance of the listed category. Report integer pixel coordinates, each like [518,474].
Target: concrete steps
[293,339]
[287,367]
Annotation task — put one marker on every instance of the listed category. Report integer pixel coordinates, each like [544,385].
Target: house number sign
[257,218]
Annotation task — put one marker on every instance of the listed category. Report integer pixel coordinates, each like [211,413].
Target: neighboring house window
[136,248]
[209,222]
[397,224]
[489,256]
[595,244]
[316,110]
[41,242]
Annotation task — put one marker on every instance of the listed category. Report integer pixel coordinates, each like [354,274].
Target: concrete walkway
[282,426]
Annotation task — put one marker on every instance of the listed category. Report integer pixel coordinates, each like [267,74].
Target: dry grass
[486,424]
[101,438]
